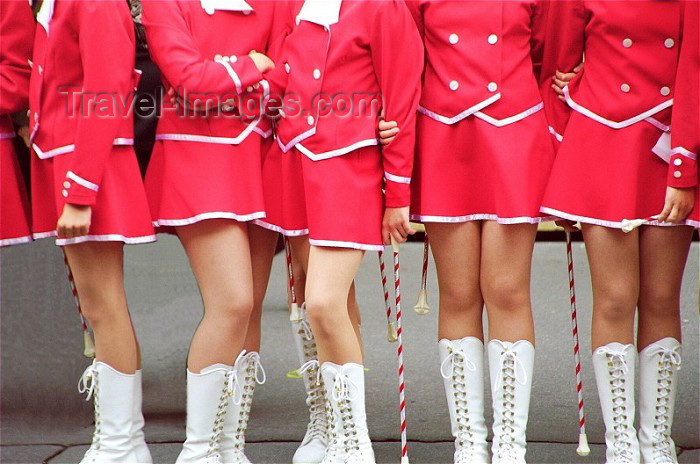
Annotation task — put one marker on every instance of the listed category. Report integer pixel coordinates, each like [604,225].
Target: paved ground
[45,420]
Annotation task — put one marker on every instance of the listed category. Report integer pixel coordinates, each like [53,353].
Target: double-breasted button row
[228,59]
[668,43]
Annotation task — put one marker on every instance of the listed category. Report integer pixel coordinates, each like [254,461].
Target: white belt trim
[463,115]
[285,232]
[7,135]
[337,152]
[234,77]
[510,119]
[341,244]
[615,124]
[397,179]
[286,147]
[556,135]
[210,138]
[69,148]
[684,152]
[80,181]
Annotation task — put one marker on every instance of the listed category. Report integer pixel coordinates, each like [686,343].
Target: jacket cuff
[397,194]
[79,191]
[245,73]
[682,171]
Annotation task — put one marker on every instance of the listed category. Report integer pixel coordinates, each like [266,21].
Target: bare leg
[99,278]
[457,252]
[663,254]
[506,262]
[262,252]
[330,275]
[614,260]
[219,254]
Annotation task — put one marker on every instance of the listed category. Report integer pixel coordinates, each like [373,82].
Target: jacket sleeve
[283,24]
[397,52]
[685,125]
[417,12]
[194,76]
[17,36]
[564,38]
[107,48]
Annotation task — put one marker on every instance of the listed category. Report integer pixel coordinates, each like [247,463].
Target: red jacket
[482,58]
[340,75]
[82,86]
[685,136]
[16,38]
[631,57]
[203,55]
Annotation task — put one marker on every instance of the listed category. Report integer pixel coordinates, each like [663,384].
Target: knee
[460,299]
[615,305]
[100,304]
[322,314]
[233,311]
[506,292]
[659,302]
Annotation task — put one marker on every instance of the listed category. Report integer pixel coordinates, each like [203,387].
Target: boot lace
[230,391]
[318,424]
[617,369]
[254,373]
[89,384]
[341,396]
[511,366]
[453,366]
[669,360]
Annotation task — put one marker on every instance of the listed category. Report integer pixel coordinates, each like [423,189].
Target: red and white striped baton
[88,345]
[294,314]
[391,335]
[399,351]
[421,306]
[583,448]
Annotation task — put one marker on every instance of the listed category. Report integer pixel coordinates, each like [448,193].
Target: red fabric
[14,213]
[188,182]
[473,170]
[120,210]
[599,28]
[16,38]
[591,156]
[184,42]
[685,133]
[373,51]
[473,61]
[346,188]
[90,48]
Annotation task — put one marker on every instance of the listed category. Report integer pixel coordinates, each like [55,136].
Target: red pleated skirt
[120,213]
[188,182]
[604,175]
[474,170]
[338,201]
[14,204]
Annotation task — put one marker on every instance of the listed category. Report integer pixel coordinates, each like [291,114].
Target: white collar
[45,13]
[322,12]
[210,6]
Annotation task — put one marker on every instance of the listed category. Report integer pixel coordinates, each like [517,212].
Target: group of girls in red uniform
[500,115]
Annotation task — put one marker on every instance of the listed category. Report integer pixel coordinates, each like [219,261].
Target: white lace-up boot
[511,366]
[345,390]
[249,371]
[658,367]
[137,437]
[614,372]
[113,394]
[313,446]
[462,369]
[210,395]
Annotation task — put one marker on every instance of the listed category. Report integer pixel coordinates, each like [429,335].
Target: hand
[74,221]
[388,130]
[561,80]
[679,203]
[262,62]
[396,225]
[25,134]
[569,226]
